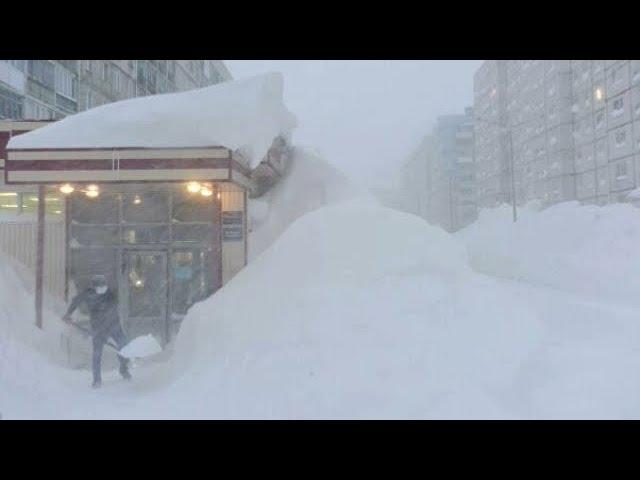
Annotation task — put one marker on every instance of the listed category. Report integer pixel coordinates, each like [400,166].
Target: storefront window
[192,208]
[8,202]
[146,208]
[27,203]
[101,210]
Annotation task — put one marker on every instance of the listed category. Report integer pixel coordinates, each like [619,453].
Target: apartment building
[439,177]
[52,89]
[606,127]
[490,144]
[571,128]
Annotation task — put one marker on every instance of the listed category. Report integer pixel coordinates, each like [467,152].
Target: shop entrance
[158,245]
[144,293]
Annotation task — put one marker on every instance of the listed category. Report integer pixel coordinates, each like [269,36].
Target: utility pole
[513,176]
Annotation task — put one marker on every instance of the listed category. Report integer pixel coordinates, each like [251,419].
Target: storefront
[167,227]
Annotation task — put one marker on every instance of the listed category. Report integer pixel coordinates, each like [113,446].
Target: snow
[352,310]
[310,183]
[140,347]
[588,250]
[360,311]
[244,115]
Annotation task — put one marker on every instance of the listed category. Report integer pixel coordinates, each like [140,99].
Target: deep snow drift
[589,250]
[309,184]
[243,115]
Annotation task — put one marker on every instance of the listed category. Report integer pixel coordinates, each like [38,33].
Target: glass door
[143,288]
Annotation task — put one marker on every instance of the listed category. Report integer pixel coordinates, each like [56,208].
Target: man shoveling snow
[105,324]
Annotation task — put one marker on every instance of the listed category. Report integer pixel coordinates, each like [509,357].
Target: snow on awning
[242,116]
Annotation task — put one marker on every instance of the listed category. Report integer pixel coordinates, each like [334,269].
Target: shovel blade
[140,347]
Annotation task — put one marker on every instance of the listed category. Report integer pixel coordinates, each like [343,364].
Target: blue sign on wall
[232,226]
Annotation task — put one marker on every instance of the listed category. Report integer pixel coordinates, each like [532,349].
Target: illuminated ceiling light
[67,189]
[138,283]
[137,200]
[8,194]
[193,187]
[218,196]
[92,191]
[206,192]
[599,93]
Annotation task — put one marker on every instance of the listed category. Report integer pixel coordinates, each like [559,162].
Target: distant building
[574,126]
[439,178]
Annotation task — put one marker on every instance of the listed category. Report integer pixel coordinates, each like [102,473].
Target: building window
[10,105]
[621,171]
[621,138]
[618,107]
[43,71]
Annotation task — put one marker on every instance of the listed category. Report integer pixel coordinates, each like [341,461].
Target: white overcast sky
[367,116]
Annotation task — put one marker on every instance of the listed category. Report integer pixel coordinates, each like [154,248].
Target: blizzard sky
[367,116]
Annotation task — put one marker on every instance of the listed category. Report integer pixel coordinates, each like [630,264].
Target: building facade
[570,128]
[490,145]
[606,128]
[52,89]
[439,178]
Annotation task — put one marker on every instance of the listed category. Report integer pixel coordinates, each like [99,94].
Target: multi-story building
[440,176]
[490,145]
[52,89]
[606,127]
[574,128]
[414,179]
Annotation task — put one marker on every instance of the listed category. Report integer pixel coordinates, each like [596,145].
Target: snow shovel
[139,347]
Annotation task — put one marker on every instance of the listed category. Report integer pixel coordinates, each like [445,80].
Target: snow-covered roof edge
[243,115]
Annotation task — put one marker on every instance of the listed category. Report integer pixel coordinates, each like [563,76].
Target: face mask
[101,290]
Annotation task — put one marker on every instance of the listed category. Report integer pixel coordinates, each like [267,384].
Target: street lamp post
[507,130]
[513,177]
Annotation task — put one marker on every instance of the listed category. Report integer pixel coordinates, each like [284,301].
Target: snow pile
[310,183]
[588,250]
[28,355]
[244,115]
[357,311]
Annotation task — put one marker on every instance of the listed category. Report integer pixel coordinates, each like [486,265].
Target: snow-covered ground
[359,311]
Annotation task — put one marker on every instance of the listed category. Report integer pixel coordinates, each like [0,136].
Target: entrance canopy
[218,133]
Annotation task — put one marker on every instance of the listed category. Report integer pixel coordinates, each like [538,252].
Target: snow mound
[361,240]
[584,249]
[244,115]
[310,183]
[357,311]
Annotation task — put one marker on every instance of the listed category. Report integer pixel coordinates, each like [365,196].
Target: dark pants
[99,341]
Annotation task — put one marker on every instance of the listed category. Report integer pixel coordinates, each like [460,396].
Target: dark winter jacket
[103,309]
